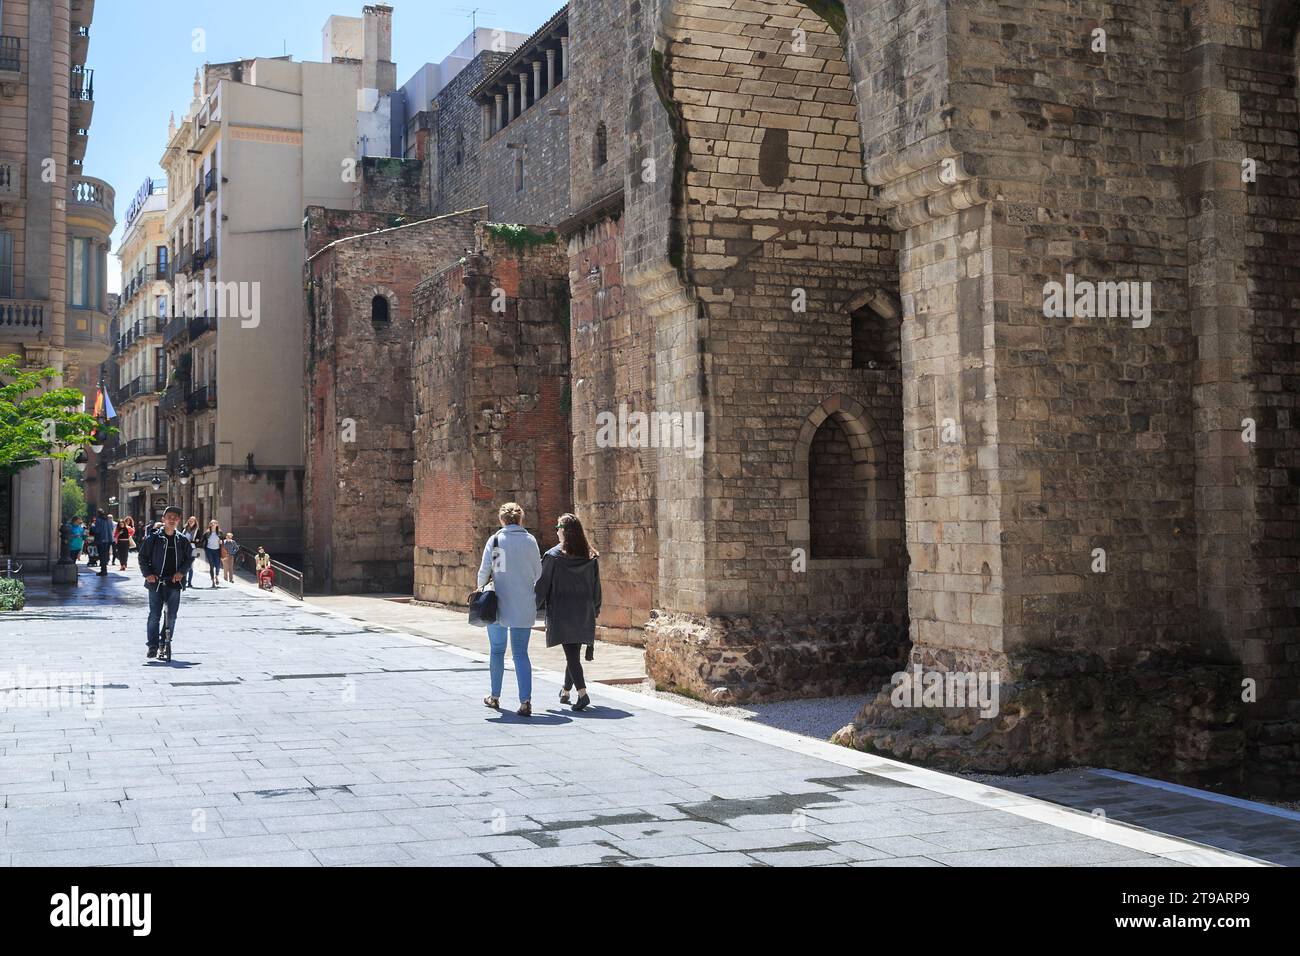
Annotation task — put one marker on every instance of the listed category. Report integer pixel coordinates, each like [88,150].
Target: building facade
[140,456]
[55,225]
[263,139]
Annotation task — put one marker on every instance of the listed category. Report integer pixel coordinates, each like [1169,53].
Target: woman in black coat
[569,592]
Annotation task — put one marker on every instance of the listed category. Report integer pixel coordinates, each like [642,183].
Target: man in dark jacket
[165,558]
[103,533]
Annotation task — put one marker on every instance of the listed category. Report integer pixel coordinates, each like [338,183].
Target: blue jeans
[519,649]
[156,596]
[213,557]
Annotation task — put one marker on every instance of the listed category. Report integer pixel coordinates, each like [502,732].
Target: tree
[74,499]
[37,424]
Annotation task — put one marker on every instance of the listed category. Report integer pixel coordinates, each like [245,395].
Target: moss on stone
[517,237]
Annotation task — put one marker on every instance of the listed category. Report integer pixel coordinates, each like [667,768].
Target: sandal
[492,702]
[564,697]
[525,709]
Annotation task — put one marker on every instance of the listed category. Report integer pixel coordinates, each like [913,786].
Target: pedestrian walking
[513,562]
[229,552]
[103,531]
[191,534]
[76,539]
[569,592]
[212,550]
[123,538]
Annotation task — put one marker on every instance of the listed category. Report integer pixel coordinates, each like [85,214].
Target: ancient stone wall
[392,186]
[492,402]
[459,166]
[362,272]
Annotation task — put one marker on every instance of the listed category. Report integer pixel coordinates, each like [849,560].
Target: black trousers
[573,672]
[105,551]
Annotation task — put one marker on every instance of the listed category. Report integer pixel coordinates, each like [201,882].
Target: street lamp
[81,462]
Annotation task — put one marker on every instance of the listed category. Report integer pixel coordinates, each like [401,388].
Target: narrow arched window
[379,310]
[600,147]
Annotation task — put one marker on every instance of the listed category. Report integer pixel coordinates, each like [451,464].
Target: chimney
[378,71]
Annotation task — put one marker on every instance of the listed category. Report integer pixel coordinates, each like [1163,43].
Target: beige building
[140,455]
[262,140]
[55,225]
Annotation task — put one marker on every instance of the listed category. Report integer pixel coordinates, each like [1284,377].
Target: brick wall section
[544,198]
[491,406]
[358,521]
[614,488]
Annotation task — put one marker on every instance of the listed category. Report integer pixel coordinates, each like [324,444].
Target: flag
[109,410]
[104,409]
[99,404]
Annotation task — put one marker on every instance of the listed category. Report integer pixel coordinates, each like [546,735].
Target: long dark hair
[575,539]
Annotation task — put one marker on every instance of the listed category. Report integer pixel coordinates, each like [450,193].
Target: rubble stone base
[1160,715]
[738,659]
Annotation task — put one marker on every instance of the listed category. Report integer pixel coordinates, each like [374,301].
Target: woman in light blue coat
[513,561]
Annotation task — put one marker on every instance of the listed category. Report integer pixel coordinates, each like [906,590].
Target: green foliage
[24,411]
[519,237]
[13,594]
[74,499]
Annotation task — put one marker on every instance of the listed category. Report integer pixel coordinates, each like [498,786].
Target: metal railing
[178,327]
[287,579]
[202,398]
[209,249]
[198,196]
[210,181]
[175,398]
[11,54]
[201,324]
[205,457]
[145,448]
[82,87]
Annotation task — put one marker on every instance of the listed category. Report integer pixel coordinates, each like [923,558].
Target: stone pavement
[614,663]
[283,734]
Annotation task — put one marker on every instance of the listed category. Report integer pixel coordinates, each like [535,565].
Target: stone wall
[392,186]
[492,397]
[539,193]
[358,527]
[771,252]
[458,167]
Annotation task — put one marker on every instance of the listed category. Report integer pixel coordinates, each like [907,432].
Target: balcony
[11,64]
[210,182]
[81,97]
[210,250]
[160,272]
[176,397]
[205,457]
[200,325]
[144,448]
[177,329]
[198,196]
[197,260]
[93,197]
[22,320]
[202,398]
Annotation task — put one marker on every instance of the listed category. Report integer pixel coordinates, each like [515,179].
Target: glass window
[6,265]
[79,273]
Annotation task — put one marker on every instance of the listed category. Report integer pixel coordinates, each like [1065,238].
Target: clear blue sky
[144,63]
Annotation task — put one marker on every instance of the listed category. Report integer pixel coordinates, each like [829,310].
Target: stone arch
[866,445]
[376,294]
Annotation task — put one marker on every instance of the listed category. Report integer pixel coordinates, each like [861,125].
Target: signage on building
[140,199]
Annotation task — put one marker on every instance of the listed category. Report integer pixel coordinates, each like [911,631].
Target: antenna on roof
[472,13]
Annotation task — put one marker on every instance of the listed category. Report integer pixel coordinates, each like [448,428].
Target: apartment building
[55,225]
[262,140]
[140,456]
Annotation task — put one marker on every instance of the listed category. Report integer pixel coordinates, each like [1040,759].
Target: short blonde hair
[511,513]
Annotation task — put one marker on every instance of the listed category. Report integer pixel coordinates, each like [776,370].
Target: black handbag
[483,602]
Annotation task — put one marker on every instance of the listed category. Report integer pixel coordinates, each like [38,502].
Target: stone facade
[831,231]
[362,270]
[491,373]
